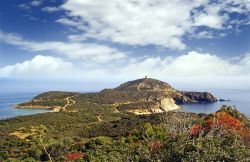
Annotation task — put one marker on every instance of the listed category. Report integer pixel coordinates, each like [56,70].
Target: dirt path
[99,118]
[69,102]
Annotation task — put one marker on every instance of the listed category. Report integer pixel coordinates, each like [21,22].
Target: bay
[8,100]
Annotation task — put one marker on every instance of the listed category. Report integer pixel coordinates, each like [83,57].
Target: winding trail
[99,118]
[69,103]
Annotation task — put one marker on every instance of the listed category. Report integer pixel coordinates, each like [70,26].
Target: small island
[223,100]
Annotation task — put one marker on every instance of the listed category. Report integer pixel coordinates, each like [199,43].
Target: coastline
[54,109]
[236,98]
[32,107]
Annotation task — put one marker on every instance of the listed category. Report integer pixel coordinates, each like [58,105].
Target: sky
[64,44]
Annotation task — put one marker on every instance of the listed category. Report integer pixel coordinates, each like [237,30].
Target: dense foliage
[45,103]
[80,136]
[54,95]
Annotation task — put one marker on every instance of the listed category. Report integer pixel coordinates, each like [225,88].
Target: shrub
[195,129]
[224,120]
[73,156]
[236,114]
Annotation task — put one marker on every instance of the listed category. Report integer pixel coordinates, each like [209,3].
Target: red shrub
[73,156]
[245,133]
[155,145]
[224,120]
[195,129]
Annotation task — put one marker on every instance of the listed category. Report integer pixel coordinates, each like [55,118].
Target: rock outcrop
[157,96]
[168,104]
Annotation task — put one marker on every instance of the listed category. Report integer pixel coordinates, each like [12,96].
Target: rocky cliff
[156,96]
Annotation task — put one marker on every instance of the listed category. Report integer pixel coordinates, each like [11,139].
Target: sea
[238,98]
[9,99]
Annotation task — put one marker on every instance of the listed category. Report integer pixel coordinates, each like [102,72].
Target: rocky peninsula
[141,96]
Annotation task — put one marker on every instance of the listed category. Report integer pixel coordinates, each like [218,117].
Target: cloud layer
[192,64]
[146,22]
[93,59]
[39,66]
[161,23]
[83,51]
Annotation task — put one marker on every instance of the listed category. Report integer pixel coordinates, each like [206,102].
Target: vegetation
[145,93]
[236,114]
[141,105]
[111,96]
[54,95]
[142,94]
[119,136]
[45,103]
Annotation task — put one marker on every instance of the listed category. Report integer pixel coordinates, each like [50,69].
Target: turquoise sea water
[239,98]
[7,100]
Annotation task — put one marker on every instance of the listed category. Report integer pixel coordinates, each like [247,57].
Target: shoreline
[32,107]
[54,109]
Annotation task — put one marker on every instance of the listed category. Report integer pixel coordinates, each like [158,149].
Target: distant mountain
[141,96]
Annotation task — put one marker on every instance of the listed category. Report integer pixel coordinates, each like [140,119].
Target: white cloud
[53,68]
[190,65]
[36,2]
[239,6]
[209,20]
[145,22]
[73,23]
[193,64]
[134,22]
[23,6]
[39,66]
[210,16]
[50,9]
[83,51]
[109,62]
[203,34]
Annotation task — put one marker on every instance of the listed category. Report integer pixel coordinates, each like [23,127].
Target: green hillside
[100,127]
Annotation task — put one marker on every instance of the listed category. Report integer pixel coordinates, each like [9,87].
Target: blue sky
[92,41]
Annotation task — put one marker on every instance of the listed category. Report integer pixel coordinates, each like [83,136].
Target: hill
[141,96]
[97,133]
[123,124]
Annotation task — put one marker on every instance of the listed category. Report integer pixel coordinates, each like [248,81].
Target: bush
[236,114]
